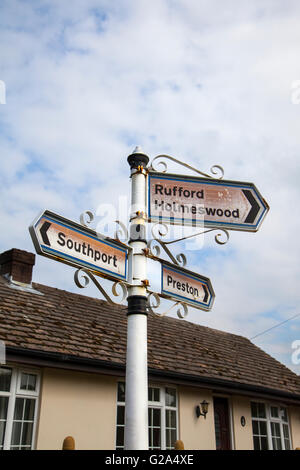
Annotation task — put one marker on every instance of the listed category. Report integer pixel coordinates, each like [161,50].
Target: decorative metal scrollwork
[153,302]
[154,246]
[82,278]
[215,169]
[154,250]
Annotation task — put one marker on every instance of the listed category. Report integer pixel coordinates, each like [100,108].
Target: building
[65,369]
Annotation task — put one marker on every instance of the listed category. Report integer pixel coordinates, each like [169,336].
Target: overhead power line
[275,326]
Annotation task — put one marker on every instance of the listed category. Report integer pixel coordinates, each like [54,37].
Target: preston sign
[193,201]
[58,238]
[183,285]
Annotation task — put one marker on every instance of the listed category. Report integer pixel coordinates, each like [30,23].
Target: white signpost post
[165,199]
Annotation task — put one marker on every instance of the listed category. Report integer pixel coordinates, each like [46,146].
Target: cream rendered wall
[196,433]
[243,439]
[77,404]
[294,416]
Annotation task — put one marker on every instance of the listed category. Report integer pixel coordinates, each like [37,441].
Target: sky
[207,82]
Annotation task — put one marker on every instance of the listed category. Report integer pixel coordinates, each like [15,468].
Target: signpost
[64,240]
[155,197]
[193,201]
[186,286]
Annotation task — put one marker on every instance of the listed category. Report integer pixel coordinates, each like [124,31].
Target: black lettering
[70,244]
[236,214]
[169,280]
[61,237]
[77,247]
[158,189]
[90,251]
[115,261]
[210,211]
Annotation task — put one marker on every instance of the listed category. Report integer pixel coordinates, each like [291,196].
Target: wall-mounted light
[202,409]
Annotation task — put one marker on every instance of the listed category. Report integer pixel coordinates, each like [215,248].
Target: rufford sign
[64,240]
[184,200]
[186,286]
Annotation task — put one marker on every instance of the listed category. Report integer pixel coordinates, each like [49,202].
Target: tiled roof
[85,327]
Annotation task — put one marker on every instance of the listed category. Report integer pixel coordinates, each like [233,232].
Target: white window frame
[16,392]
[161,404]
[270,419]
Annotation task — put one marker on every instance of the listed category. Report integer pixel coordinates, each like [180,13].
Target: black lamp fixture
[202,409]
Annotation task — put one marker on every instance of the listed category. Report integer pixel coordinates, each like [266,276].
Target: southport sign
[185,200]
[64,240]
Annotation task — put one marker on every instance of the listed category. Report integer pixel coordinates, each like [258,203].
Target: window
[19,391]
[270,427]
[162,417]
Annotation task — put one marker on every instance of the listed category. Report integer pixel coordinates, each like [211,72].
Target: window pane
[156,437]
[170,397]
[16,433]
[258,410]
[19,407]
[27,434]
[121,391]
[2,432]
[156,417]
[254,412]
[3,407]
[121,415]
[276,443]
[261,410]
[29,409]
[153,394]
[275,429]
[5,378]
[264,443]
[28,382]
[255,427]
[170,418]
[274,412]
[286,431]
[262,428]
[283,414]
[256,443]
[287,444]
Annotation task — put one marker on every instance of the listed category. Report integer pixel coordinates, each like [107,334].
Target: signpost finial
[138,158]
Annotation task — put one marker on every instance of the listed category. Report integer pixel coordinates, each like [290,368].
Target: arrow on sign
[255,207]
[43,231]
